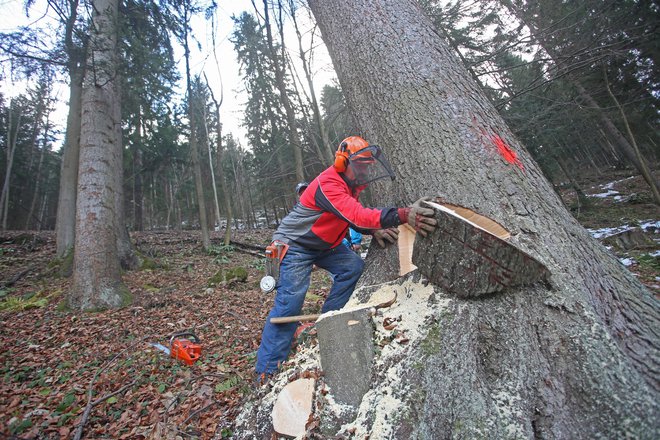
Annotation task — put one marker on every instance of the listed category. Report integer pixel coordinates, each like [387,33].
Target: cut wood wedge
[469,254]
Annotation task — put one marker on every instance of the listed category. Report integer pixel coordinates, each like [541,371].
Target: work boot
[262,379]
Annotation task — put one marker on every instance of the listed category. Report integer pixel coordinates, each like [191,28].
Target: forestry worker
[312,233]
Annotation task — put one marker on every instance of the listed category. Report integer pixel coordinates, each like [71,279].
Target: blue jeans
[295,272]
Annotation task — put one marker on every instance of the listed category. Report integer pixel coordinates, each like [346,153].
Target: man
[314,230]
[353,241]
[300,189]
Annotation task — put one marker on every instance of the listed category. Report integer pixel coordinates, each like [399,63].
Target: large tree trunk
[96,275]
[576,358]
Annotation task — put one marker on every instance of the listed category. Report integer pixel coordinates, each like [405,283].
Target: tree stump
[347,351]
[468,255]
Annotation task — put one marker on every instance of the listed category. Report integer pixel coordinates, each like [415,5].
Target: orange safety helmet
[347,147]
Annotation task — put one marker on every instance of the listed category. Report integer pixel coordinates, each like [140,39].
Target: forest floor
[55,359]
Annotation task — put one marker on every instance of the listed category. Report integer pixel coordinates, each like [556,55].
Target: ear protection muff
[341,157]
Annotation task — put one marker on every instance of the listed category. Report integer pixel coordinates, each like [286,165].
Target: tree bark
[96,275]
[219,157]
[574,358]
[66,205]
[194,149]
[37,178]
[11,151]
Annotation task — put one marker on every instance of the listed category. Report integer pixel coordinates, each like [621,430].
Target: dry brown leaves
[50,356]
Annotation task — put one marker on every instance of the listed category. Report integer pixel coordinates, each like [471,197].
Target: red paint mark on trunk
[506,152]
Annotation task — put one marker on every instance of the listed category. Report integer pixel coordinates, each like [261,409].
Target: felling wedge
[468,255]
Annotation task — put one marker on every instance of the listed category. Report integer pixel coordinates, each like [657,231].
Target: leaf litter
[52,355]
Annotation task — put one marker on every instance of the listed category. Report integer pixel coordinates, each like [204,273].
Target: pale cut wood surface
[405,243]
[293,407]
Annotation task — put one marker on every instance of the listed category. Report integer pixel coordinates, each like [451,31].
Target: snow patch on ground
[607,232]
[649,226]
[609,190]
[609,193]
[627,261]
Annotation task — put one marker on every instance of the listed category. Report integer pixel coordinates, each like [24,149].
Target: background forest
[577,82]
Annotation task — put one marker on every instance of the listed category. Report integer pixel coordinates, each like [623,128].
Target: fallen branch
[90,390]
[215,402]
[10,282]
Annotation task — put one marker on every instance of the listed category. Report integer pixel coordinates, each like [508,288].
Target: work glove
[420,218]
[386,236]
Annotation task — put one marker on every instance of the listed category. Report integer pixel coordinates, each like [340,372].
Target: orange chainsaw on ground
[182,348]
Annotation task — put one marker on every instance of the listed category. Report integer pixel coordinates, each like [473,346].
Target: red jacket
[326,209]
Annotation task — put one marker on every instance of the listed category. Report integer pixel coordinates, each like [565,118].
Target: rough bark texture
[66,204]
[469,262]
[577,358]
[96,276]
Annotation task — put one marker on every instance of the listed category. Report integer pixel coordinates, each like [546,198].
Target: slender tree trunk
[326,148]
[37,178]
[219,156]
[574,358]
[194,149]
[138,196]
[216,203]
[286,102]
[128,259]
[11,151]
[643,166]
[96,275]
[66,205]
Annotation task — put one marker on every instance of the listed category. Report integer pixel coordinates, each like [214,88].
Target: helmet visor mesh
[369,164]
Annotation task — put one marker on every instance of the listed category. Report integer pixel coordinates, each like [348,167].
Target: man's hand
[386,236]
[356,247]
[422,219]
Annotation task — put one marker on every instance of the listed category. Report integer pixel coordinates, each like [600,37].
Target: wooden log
[293,407]
[468,255]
